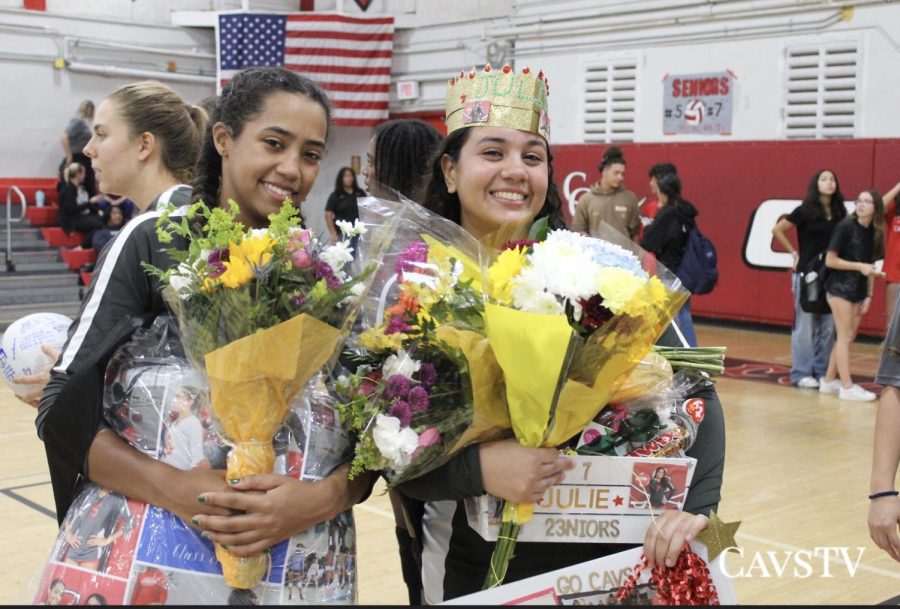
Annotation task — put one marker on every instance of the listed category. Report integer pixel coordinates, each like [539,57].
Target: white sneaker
[808,382]
[830,386]
[856,394]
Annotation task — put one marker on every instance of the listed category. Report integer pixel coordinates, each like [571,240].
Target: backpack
[697,271]
[812,286]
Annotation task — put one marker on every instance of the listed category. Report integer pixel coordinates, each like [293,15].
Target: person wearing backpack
[812,335]
[667,238]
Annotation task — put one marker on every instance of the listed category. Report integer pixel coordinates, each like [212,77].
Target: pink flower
[301,259]
[429,436]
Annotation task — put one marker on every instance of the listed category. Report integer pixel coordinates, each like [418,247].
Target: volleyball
[694,112]
[21,353]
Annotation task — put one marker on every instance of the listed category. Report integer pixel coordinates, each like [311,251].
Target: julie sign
[603,500]
[698,103]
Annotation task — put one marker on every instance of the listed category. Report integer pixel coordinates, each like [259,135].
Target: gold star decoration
[718,536]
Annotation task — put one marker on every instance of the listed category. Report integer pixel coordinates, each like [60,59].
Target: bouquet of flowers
[260,311]
[569,318]
[122,551]
[427,383]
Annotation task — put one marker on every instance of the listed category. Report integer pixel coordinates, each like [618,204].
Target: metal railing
[10,265]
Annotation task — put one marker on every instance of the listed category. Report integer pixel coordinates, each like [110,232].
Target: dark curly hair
[446,204]
[241,100]
[612,156]
[403,151]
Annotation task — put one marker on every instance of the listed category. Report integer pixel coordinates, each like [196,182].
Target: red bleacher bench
[57,237]
[43,216]
[86,277]
[74,259]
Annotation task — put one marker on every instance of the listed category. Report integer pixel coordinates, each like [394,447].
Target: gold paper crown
[499,98]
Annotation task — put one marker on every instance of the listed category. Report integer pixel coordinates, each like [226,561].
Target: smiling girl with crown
[495,170]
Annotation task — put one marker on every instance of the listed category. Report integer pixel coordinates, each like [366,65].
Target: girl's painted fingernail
[195,522]
[233,480]
[202,498]
[204,535]
[223,545]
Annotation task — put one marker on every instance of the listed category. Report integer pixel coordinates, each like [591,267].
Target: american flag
[349,57]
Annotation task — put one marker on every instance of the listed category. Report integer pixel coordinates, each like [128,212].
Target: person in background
[341,203]
[608,200]
[114,223]
[891,250]
[397,160]
[857,242]
[74,138]
[648,206]
[884,502]
[105,202]
[812,335]
[399,156]
[667,238]
[76,212]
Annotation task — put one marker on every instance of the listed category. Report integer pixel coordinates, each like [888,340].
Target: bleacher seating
[75,259]
[56,237]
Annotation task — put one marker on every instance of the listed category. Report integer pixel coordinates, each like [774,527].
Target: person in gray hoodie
[608,200]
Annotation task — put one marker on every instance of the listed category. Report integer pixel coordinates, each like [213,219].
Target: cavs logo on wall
[363,4]
[476,112]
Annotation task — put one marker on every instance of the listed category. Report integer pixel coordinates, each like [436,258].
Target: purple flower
[402,411]
[298,300]
[418,399]
[409,258]
[322,270]
[427,375]
[397,386]
[215,263]
[396,324]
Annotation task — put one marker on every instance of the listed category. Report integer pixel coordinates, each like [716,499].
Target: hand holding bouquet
[570,316]
[261,311]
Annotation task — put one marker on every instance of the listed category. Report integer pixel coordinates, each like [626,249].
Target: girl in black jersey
[856,243]
[264,143]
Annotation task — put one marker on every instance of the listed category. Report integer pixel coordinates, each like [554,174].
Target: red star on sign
[618,500]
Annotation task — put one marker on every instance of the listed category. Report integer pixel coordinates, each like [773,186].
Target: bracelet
[884,494]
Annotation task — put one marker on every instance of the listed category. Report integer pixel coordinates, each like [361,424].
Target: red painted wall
[727,182]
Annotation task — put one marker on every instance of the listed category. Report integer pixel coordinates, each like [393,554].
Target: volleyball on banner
[21,353]
[698,103]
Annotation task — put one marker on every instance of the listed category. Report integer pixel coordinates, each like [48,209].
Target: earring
[451,188]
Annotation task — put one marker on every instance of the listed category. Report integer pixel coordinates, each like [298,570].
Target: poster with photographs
[595,582]
[129,552]
[602,500]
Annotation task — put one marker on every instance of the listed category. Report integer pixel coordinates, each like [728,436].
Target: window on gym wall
[821,87]
[610,101]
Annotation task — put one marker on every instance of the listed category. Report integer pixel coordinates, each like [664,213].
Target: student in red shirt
[891,250]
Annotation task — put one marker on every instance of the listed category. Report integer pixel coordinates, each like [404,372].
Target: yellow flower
[376,340]
[245,258]
[617,287]
[508,264]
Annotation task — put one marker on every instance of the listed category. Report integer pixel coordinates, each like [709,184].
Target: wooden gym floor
[796,476]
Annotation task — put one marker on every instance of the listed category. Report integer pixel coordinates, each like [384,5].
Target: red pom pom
[507,69]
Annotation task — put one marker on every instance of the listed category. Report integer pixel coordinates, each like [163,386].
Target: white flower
[401,364]
[181,281]
[395,445]
[336,256]
[529,293]
[350,230]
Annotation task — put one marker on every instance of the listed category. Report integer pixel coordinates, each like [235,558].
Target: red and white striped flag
[349,57]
